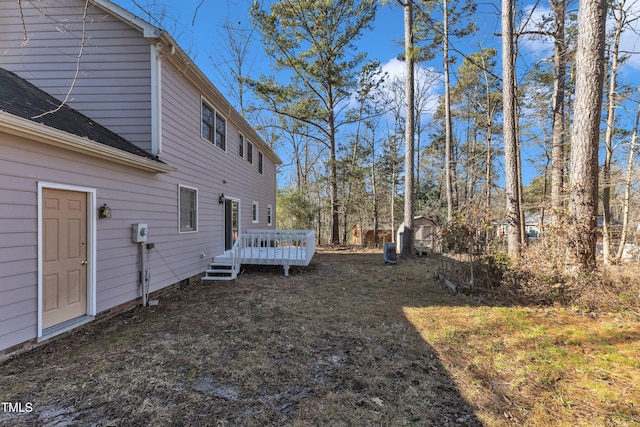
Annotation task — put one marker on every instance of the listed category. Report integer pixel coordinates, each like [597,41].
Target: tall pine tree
[312,42]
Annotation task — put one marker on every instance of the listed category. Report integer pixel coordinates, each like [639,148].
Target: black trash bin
[390,253]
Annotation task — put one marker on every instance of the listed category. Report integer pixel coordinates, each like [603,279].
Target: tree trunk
[583,178]
[447,115]
[488,169]
[489,125]
[393,208]
[608,140]
[510,143]
[471,169]
[374,191]
[557,107]
[407,233]
[333,179]
[523,233]
[418,141]
[349,183]
[627,189]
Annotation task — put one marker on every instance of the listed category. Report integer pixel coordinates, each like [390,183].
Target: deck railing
[277,247]
[235,258]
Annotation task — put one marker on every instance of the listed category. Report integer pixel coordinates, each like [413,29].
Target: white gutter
[38,132]
[156,95]
[156,105]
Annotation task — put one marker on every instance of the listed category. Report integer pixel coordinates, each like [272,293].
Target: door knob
[83,262]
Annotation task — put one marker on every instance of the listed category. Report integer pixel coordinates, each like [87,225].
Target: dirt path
[329,345]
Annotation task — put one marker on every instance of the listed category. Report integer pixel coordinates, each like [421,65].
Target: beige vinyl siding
[114,80]
[114,89]
[133,196]
[199,161]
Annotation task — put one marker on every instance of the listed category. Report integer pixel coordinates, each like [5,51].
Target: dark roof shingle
[23,99]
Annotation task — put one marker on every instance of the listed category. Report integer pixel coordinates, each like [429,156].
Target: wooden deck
[267,247]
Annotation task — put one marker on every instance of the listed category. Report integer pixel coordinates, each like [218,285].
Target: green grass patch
[551,364]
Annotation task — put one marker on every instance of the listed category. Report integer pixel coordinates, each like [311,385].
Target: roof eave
[38,132]
[148,30]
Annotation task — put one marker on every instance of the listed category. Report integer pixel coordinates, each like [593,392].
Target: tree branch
[77,72]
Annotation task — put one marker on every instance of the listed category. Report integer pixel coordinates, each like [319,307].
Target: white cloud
[539,47]
[395,68]
[428,83]
[630,41]
[535,47]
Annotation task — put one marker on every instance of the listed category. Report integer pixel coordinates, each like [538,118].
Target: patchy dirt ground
[329,345]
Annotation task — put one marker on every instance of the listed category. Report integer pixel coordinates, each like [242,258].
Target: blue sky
[195,25]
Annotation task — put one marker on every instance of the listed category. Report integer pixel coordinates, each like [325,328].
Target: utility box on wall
[139,233]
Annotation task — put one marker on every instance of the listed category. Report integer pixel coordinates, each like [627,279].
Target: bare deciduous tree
[621,12]
[558,103]
[627,188]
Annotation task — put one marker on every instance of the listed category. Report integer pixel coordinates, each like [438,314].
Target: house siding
[113,85]
[201,164]
[114,77]
[133,196]
[148,197]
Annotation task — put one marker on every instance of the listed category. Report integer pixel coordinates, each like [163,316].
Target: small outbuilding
[424,235]
[363,236]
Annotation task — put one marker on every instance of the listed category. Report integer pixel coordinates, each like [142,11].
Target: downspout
[156,96]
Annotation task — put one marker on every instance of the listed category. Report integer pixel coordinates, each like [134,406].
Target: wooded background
[478,111]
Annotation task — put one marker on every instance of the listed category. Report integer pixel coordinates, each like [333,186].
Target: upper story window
[260,161]
[269,215]
[208,122]
[214,127]
[240,145]
[249,152]
[221,132]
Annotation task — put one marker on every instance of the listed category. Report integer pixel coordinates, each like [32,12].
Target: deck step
[220,270]
[218,278]
[228,276]
[213,271]
[223,265]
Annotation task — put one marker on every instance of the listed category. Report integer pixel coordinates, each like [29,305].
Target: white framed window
[255,206]
[269,215]
[260,162]
[249,152]
[187,209]
[241,145]
[214,126]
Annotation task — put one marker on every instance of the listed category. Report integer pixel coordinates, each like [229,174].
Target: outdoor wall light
[221,199]
[104,211]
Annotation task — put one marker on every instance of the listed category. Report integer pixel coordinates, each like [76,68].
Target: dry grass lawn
[346,341]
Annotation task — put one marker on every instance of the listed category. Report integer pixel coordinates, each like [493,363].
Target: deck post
[286,269]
